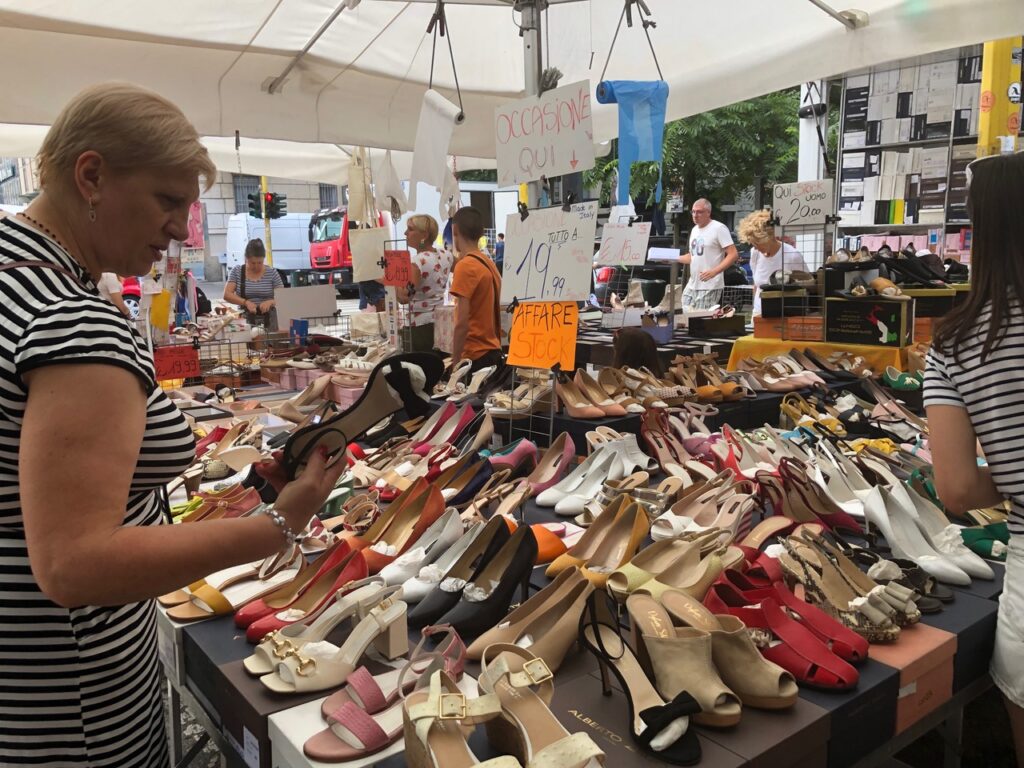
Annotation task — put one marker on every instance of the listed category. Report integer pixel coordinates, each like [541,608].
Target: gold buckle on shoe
[305,664]
[537,671]
[451,706]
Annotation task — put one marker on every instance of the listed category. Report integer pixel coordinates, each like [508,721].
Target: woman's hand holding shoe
[300,499]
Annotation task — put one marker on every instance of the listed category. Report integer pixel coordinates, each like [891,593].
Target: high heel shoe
[680,659]
[659,728]
[446,595]
[436,539]
[546,623]
[618,545]
[434,724]
[575,402]
[755,680]
[329,666]
[405,528]
[401,381]
[593,392]
[276,646]
[526,728]
[487,597]
[374,693]
[553,465]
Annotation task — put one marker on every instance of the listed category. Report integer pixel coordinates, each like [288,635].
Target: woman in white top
[428,276]
[109,286]
[768,254]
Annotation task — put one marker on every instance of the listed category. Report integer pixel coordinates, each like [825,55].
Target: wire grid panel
[539,424]
[739,296]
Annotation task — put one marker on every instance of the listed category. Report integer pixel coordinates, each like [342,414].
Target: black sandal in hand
[399,382]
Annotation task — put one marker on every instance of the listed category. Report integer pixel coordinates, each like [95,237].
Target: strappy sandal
[399,382]
[659,728]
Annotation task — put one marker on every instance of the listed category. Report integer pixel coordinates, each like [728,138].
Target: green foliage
[719,154]
[485,174]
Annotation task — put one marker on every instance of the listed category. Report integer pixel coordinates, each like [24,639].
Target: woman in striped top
[251,286]
[88,439]
[973,389]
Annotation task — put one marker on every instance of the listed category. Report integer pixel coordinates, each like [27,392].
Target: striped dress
[991,392]
[79,686]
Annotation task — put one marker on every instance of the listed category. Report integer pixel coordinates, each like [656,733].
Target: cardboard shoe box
[875,321]
[931,302]
[808,328]
[924,657]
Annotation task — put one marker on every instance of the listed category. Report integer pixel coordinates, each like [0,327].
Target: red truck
[329,252]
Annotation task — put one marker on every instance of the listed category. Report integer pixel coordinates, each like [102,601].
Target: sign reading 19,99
[549,255]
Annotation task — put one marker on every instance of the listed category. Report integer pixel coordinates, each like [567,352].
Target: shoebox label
[872,321]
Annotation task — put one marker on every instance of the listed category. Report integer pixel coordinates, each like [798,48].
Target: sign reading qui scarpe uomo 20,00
[547,135]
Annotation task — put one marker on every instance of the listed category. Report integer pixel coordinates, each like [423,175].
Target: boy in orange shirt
[476,286]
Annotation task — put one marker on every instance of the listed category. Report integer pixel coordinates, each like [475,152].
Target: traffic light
[277,205]
[256,205]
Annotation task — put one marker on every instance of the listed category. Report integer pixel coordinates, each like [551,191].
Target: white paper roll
[438,118]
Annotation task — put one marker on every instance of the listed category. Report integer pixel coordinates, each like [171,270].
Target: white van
[290,239]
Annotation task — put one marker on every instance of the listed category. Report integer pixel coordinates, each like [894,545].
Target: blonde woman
[89,439]
[429,273]
[768,254]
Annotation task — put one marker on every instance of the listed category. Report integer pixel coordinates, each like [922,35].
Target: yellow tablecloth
[877,357]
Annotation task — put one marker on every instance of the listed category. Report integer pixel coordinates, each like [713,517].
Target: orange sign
[1013,124]
[176,362]
[544,333]
[396,268]
[987,101]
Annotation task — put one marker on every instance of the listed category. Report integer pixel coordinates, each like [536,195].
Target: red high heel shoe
[785,641]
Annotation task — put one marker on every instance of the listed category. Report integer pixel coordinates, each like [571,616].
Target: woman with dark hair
[973,387]
[636,349]
[251,286]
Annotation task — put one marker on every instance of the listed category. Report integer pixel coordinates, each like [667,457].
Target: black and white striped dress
[80,686]
[991,391]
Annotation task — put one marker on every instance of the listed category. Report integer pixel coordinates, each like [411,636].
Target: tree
[720,153]
[484,174]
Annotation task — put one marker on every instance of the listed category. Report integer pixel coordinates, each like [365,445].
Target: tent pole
[532,65]
[279,80]
[848,23]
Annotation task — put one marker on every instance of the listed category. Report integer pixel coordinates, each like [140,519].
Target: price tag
[804,203]
[397,268]
[180,361]
[624,245]
[549,256]
[544,333]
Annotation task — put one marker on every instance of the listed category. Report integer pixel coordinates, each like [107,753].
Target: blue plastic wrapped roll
[641,125]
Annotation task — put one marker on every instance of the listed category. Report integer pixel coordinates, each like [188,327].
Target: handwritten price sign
[550,255]
[396,268]
[544,333]
[546,135]
[624,245]
[176,362]
[804,203]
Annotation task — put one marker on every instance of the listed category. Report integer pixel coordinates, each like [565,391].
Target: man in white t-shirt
[109,287]
[711,253]
[768,254]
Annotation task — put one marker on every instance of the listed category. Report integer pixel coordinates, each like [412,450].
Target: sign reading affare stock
[544,333]
[547,135]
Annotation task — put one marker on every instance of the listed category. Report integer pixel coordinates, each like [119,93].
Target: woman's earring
[92,211]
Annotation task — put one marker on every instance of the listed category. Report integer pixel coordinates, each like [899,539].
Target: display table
[878,358]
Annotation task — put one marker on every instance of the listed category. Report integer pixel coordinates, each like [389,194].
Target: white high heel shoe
[568,484]
[608,468]
[430,575]
[945,537]
[439,537]
[898,524]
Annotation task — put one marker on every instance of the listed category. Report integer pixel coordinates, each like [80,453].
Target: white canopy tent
[362,80]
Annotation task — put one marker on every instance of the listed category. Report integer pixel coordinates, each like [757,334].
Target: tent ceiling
[362,82]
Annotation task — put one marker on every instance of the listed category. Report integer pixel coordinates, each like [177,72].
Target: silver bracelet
[279,521]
